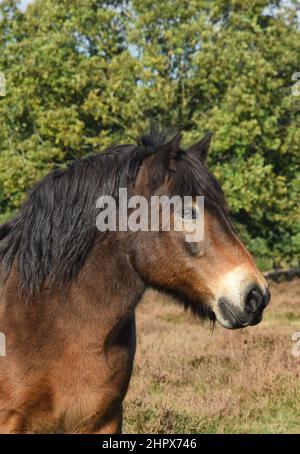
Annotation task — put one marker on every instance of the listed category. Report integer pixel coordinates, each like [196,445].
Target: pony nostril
[254,300]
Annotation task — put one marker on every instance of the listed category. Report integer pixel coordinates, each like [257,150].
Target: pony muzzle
[249,313]
[241,297]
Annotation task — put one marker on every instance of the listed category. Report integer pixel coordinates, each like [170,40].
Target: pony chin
[198,306]
[200,309]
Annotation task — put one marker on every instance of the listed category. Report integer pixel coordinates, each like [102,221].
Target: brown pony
[69,292]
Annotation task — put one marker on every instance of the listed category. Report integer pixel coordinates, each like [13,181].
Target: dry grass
[244,381]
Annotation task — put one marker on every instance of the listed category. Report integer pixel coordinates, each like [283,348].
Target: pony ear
[169,152]
[201,148]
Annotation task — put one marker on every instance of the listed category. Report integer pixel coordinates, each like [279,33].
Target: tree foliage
[84,74]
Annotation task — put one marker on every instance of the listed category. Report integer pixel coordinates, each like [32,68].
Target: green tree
[70,79]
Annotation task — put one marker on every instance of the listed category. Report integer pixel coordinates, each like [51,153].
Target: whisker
[212,325]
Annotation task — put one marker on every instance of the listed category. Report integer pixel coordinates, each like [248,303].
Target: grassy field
[187,381]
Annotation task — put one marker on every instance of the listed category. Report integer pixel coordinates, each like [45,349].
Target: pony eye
[189,213]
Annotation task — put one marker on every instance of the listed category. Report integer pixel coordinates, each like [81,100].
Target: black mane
[55,229]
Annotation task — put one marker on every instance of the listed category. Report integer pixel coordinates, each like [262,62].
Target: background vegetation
[82,75]
[187,380]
